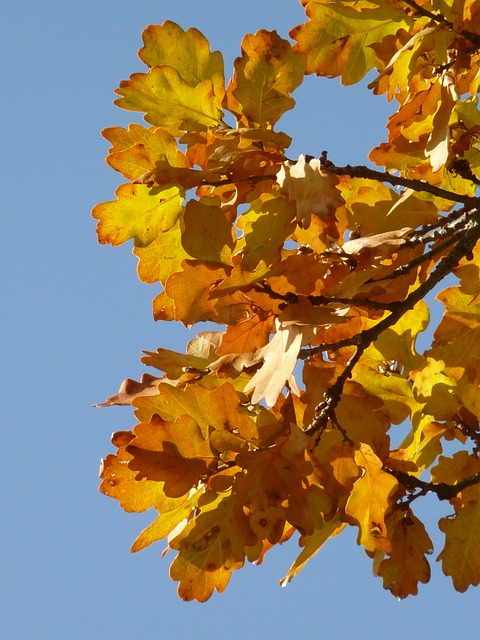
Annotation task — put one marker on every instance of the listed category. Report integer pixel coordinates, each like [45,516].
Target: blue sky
[74,321]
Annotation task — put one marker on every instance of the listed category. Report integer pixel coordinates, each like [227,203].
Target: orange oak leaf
[282,471]
[134,494]
[407,565]
[175,453]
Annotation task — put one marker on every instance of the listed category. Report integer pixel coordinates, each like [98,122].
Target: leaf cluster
[285,420]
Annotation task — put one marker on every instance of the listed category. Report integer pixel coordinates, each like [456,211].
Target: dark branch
[409,183]
[464,246]
[443,490]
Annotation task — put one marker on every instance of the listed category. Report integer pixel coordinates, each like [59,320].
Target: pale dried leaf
[279,359]
[436,148]
[377,247]
[131,389]
[311,188]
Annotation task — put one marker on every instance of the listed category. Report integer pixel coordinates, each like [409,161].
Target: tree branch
[409,183]
[443,490]
[440,19]
[464,246]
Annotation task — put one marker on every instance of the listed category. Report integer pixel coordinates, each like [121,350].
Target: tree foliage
[281,421]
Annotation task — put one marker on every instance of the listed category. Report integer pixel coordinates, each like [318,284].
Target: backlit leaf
[461,555]
[369,501]
[337,40]
[265,76]
[170,102]
[139,213]
[407,565]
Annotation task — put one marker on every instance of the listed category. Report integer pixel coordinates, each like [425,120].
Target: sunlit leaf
[265,76]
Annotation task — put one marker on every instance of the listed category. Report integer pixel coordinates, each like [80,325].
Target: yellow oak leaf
[407,565]
[170,102]
[312,544]
[337,40]
[461,555]
[207,234]
[186,51]
[397,343]
[423,444]
[264,77]
[211,547]
[457,337]
[369,501]
[166,522]
[394,391]
[136,150]
[375,208]
[435,385]
[266,226]
[139,212]
[161,257]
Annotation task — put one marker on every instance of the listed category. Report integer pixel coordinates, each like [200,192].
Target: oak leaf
[337,40]
[139,212]
[279,359]
[175,453]
[461,555]
[211,547]
[264,77]
[312,189]
[186,51]
[136,150]
[370,501]
[407,565]
[208,235]
[373,249]
[169,101]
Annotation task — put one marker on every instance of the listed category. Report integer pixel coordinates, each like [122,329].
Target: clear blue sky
[74,321]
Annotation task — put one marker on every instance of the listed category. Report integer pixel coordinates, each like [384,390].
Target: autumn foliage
[282,418]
